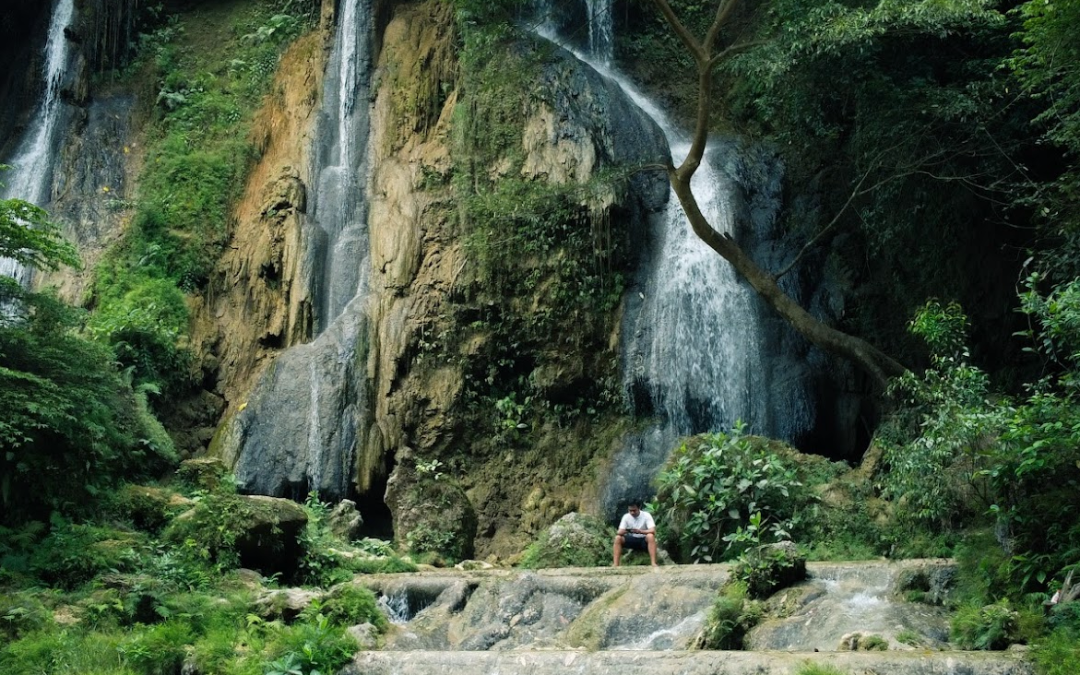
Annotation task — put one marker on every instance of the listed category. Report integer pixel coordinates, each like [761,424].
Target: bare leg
[651,540]
[618,549]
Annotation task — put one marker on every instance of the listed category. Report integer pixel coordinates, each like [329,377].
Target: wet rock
[344,520]
[366,635]
[205,473]
[285,603]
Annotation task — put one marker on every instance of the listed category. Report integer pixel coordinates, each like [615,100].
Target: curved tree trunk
[878,365]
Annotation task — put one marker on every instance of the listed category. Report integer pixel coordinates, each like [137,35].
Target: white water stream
[31,175]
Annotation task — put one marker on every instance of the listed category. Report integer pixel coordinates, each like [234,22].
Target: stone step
[684,663]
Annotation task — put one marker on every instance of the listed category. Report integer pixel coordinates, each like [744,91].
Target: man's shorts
[635,541]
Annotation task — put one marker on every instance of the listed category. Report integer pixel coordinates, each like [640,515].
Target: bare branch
[682,31]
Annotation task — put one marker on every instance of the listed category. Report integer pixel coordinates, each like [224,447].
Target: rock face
[298,430]
[604,620]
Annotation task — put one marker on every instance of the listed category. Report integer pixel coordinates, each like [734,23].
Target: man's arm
[622,527]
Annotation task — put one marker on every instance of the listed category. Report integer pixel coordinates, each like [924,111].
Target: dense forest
[923,256]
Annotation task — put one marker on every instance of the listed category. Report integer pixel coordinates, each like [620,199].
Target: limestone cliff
[259,302]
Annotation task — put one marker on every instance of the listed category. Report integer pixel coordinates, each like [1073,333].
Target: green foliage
[30,237]
[1057,653]
[72,554]
[730,617]
[988,627]
[587,543]
[328,559]
[1048,64]
[144,327]
[314,647]
[213,527]
[934,443]
[21,614]
[348,605]
[197,158]
[713,485]
[71,420]
[766,569]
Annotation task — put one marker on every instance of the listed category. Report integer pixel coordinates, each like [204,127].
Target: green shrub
[1057,653]
[72,422]
[21,613]
[988,627]
[347,605]
[730,617]
[313,644]
[714,484]
[158,649]
[73,553]
[766,569]
[328,559]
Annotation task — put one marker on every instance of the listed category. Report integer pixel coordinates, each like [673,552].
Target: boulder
[345,520]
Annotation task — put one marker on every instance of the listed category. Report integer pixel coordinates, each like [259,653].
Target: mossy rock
[252,531]
[203,473]
[149,507]
[433,516]
[575,540]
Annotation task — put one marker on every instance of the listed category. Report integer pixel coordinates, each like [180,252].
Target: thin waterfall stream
[32,166]
[301,428]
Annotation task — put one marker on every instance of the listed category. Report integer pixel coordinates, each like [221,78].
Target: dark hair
[633,504]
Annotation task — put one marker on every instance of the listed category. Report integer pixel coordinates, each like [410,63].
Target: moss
[574,541]
[586,631]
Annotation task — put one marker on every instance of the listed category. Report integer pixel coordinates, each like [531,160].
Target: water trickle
[601,32]
[303,423]
[31,176]
[396,608]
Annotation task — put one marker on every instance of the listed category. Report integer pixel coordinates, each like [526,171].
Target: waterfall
[601,32]
[694,335]
[31,177]
[339,207]
[300,429]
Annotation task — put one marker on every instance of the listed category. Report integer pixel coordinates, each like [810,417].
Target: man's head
[634,508]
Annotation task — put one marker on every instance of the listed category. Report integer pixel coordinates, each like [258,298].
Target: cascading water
[693,335]
[31,176]
[601,32]
[299,432]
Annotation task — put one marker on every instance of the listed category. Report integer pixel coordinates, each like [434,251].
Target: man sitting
[636,531]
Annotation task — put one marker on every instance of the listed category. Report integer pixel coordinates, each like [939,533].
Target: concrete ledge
[683,663]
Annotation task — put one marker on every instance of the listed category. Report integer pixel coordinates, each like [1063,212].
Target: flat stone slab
[683,663]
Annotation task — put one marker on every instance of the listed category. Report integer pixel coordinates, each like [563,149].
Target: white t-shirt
[643,522]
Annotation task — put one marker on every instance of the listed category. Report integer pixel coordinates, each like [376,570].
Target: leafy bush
[730,617]
[934,443]
[1057,653]
[714,484]
[347,605]
[766,569]
[314,645]
[328,559]
[72,423]
[987,627]
[20,614]
[73,553]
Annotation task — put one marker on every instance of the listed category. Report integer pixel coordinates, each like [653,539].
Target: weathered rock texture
[602,620]
[260,302]
[681,663]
